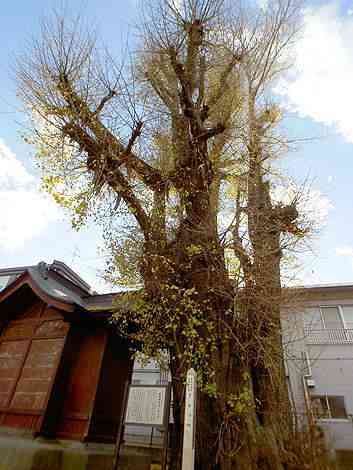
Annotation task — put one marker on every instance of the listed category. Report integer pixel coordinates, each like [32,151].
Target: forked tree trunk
[224,440]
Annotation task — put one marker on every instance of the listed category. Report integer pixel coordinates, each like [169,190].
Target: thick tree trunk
[229,434]
[247,424]
[244,423]
[225,441]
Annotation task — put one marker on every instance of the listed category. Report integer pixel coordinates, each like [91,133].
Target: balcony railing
[328,336]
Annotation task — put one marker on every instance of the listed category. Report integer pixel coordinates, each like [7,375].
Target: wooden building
[63,369]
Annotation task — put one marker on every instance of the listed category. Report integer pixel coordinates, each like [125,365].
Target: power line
[320,359]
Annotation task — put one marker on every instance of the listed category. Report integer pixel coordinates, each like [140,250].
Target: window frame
[327,397]
[322,317]
[343,316]
[340,313]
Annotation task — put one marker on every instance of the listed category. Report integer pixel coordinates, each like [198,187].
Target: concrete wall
[332,372]
[293,349]
[331,367]
[20,453]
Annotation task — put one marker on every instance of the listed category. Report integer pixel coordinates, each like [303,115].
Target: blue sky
[319,98]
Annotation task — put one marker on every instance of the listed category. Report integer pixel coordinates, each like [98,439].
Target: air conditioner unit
[310,383]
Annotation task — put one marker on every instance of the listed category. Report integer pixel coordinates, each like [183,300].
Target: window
[313,318]
[319,318]
[348,316]
[328,407]
[332,318]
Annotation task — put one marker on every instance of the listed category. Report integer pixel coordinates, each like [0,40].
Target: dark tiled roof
[59,282]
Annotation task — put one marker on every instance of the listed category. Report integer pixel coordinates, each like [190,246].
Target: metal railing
[328,336]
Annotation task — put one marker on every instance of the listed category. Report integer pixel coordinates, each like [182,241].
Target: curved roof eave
[40,289]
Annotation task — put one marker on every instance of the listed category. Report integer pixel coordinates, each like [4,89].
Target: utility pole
[189,421]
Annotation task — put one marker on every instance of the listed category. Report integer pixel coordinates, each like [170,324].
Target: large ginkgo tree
[175,146]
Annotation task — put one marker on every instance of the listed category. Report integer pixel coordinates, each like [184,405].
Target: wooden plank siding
[109,402]
[82,361]
[30,349]
[63,371]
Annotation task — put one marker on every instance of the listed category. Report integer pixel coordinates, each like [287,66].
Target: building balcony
[329,336]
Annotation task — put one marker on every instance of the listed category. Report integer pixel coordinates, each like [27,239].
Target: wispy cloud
[25,211]
[346,251]
[321,85]
[13,173]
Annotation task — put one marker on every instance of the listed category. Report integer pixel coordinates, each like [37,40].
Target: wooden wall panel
[50,313]
[19,329]
[31,344]
[19,421]
[34,311]
[12,355]
[116,371]
[72,428]
[52,328]
[37,374]
[84,363]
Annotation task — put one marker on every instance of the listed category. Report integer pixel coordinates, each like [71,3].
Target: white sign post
[146,405]
[189,421]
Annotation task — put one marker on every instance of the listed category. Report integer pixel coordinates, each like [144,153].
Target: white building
[318,343]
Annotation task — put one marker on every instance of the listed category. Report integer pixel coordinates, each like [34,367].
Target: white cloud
[320,87]
[13,173]
[317,205]
[25,211]
[313,204]
[263,4]
[346,251]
